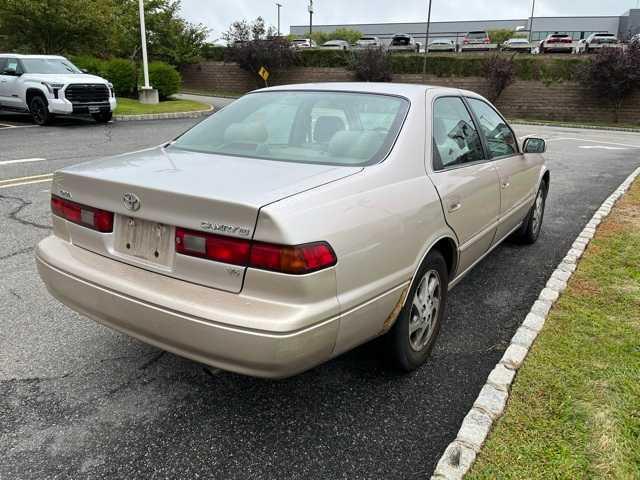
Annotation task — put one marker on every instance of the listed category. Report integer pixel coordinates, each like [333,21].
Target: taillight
[214,247]
[89,217]
[487,40]
[295,260]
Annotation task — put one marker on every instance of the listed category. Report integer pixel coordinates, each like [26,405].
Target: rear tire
[39,108]
[413,335]
[103,117]
[529,232]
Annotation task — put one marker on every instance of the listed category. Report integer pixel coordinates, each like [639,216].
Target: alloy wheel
[424,310]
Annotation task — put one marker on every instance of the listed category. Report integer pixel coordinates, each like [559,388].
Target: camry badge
[131,201]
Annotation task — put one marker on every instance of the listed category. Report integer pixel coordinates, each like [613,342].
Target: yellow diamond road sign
[264,73]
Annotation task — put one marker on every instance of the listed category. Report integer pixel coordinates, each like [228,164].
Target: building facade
[625,26]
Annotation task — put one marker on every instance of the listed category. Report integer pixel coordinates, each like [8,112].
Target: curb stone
[460,454]
[163,116]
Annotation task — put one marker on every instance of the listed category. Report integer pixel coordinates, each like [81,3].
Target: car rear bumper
[149,307]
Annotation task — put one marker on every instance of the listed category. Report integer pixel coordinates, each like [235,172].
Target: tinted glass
[3,64]
[455,138]
[330,128]
[400,41]
[48,65]
[500,139]
[477,35]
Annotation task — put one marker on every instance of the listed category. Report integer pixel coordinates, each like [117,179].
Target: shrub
[440,66]
[371,65]
[499,71]
[213,52]
[613,74]
[92,65]
[323,58]
[351,36]
[274,54]
[165,78]
[122,73]
[500,35]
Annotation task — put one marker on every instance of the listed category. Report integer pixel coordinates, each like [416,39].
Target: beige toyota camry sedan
[295,224]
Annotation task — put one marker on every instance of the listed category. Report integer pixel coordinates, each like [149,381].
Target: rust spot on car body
[393,316]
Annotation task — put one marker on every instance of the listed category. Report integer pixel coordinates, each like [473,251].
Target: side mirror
[84,70]
[534,145]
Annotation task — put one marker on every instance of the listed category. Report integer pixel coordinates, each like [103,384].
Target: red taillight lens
[296,260]
[89,217]
[487,40]
[213,247]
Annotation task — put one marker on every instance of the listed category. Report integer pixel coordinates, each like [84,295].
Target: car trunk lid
[153,191]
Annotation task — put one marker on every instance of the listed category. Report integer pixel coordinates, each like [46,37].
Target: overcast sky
[218,14]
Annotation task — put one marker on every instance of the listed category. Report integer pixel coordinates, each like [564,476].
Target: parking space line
[16,182]
[23,160]
[592,141]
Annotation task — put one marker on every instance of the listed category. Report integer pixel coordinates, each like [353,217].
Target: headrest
[356,144]
[326,127]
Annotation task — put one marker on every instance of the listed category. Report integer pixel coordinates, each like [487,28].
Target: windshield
[48,65]
[477,35]
[332,128]
[401,41]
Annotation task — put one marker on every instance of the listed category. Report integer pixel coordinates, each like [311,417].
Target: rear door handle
[506,184]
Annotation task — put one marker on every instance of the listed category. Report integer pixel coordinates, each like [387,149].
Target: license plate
[145,240]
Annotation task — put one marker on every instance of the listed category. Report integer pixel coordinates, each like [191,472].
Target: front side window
[500,138]
[332,128]
[49,66]
[11,66]
[455,138]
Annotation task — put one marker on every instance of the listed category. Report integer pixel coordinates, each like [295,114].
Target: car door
[9,76]
[465,179]
[518,173]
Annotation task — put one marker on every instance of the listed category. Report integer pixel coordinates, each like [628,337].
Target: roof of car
[409,90]
[19,55]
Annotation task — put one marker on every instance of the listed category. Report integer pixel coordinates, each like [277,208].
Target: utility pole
[533,8]
[426,42]
[146,94]
[310,18]
[279,7]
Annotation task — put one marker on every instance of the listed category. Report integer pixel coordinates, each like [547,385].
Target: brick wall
[523,99]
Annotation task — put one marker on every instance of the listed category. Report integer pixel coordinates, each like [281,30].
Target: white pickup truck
[49,85]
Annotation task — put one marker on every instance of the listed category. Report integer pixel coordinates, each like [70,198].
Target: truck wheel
[414,333]
[102,117]
[39,109]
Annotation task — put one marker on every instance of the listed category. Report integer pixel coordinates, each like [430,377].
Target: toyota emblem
[131,201]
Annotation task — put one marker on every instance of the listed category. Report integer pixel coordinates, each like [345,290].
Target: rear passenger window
[455,139]
[500,138]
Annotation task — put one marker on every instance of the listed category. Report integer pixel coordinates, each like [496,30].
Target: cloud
[218,14]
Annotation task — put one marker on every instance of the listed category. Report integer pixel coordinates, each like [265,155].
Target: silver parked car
[404,43]
[516,45]
[335,45]
[295,224]
[368,42]
[442,45]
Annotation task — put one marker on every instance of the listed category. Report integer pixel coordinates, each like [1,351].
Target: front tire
[103,117]
[416,329]
[530,229]
[39,108]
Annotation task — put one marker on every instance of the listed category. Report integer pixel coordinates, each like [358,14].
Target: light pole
[147,94]
[533,7]
[310,18]
[426,41]
[279,5]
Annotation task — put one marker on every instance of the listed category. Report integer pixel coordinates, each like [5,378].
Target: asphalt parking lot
[78,400]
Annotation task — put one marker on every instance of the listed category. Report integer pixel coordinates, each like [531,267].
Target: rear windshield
[48,65]
[367,39]
[332,128]
[477,35]
[400,41]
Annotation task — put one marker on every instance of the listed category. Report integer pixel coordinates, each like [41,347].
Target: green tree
[501,35]
[347,34]
[56,26]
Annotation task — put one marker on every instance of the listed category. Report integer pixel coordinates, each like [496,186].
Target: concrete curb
[460,454]
[577,125]
[163,116]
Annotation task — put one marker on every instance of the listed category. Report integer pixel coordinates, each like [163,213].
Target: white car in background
[599,40]
[50,85]
[335,45]
[302,43]
[295,224]
[516,45]
[442,45]
[368,42]
[557,43]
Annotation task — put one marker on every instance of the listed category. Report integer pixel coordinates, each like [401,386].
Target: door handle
[506,184]
[454,206]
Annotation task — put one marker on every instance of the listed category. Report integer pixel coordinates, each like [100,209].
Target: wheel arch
[32,92]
